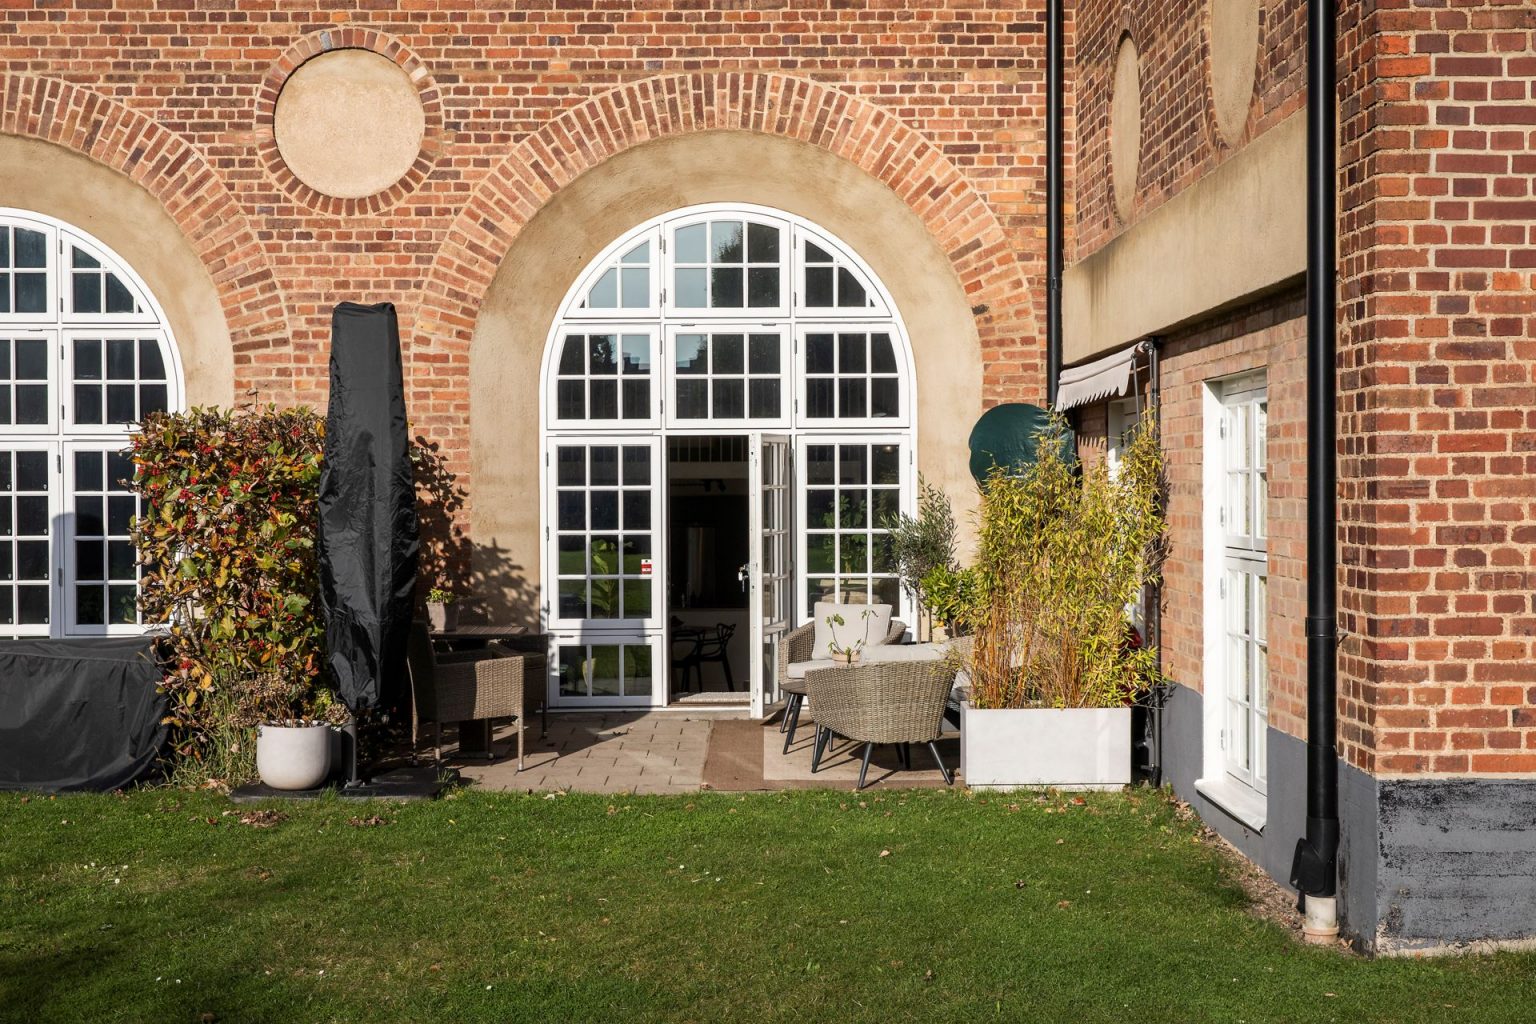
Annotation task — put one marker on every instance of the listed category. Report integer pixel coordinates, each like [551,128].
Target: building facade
[656,261]
[1190,230]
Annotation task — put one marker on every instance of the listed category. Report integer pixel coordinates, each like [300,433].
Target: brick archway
[964,226]
[179,178]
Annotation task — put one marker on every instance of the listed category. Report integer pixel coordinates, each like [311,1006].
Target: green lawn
[807,906]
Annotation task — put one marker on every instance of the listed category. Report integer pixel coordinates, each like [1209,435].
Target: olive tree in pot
[1054,665]
[923,549]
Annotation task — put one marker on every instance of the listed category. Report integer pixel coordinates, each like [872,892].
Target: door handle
[744,576]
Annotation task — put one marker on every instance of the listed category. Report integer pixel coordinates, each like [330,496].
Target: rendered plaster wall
[1236,235]
[556,245]
[52,180]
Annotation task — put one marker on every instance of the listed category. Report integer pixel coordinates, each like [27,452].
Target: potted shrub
[227,546]
[442,609]
[294,730]
[1052,675]
[844,649]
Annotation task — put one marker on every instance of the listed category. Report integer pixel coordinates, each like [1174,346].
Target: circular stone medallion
[1234,63]
[1125,126]
[349,123]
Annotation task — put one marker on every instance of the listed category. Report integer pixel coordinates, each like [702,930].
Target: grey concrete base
[1183,763]
[1424,864]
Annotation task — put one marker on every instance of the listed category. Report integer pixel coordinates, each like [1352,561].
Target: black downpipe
[1314,871]
[1155,609]
[1055,100]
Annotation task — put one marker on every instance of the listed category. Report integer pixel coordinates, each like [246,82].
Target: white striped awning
[1108,377]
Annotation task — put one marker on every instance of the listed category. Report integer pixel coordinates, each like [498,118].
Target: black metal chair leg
[730,680]
[869,748]
[949,776]
[904,756]
[794,720]
[789,705]
[823,736]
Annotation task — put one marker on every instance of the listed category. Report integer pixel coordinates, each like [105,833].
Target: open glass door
[772,569]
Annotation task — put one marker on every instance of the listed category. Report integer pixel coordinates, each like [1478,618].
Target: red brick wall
[1272,337]
[1438,483]
[1179,141]
[941,99]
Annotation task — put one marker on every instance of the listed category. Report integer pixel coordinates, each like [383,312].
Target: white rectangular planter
[1070,748]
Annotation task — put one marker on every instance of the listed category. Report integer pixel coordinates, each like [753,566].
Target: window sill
[1244,803]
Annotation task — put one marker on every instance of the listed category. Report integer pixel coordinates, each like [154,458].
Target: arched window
[724,326]
[85,354]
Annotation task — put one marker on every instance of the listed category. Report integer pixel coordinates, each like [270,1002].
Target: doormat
[733,758]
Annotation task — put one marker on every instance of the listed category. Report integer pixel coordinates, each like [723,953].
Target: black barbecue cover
[78,714]
[368,532]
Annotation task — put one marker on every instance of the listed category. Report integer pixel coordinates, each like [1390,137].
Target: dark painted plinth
[425,783]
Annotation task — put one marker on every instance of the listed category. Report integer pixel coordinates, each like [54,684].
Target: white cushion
[867,622]
[905,652]
[798,669]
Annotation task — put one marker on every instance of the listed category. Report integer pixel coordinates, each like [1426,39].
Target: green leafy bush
[227,542]
[1060,557]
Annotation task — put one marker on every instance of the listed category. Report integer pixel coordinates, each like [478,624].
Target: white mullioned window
[725,319]
[85,354]
[1237,578]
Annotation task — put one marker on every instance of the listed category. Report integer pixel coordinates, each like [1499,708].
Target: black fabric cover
[368,532]
[78,714]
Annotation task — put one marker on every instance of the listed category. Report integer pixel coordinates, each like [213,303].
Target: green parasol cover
[1009,436]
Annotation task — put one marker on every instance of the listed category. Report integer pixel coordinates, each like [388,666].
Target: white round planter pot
[293,757]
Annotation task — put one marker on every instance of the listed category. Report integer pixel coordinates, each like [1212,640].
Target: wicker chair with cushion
[459,688]
[799,645]
[899,702]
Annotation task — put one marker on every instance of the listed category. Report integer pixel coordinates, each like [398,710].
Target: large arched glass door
[85,355]
[728,412]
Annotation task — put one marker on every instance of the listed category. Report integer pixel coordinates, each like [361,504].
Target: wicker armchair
[497,683]
[899,703]
[800,645]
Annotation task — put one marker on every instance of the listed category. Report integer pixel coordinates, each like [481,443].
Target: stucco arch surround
[648,181]
[658,144]
[149,194]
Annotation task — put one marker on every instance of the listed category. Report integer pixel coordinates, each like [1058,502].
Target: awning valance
[1108,377]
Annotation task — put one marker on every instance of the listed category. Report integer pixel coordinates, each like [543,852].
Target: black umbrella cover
[369,539]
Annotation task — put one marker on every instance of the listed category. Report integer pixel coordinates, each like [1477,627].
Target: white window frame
[657,378]
[747,215]
[879,310]
[50,339]
[1239,786]
[109,264]
[66,383]
[51,247]
[656,620]
[61,436]
[903,375]
[908,489]
[610,257]
[786,377]
[68,535]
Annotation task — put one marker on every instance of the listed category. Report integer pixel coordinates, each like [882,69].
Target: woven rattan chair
[496,683]
[800,645]
[897,702]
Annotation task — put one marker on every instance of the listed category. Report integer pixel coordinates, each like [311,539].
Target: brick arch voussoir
[177,175]
[882,145]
